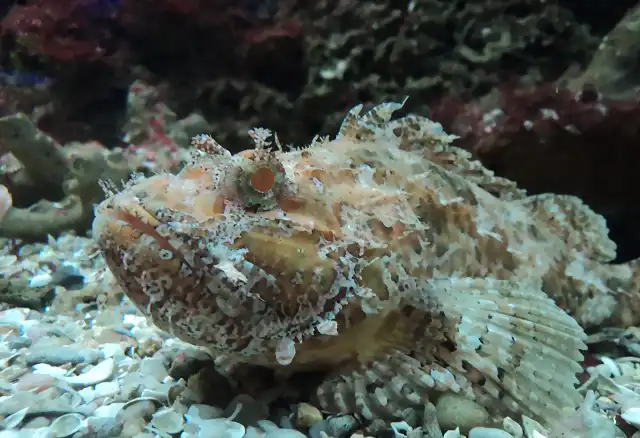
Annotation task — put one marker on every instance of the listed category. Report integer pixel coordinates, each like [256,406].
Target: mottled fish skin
[385,256]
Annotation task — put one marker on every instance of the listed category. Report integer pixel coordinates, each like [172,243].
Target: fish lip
[128,210]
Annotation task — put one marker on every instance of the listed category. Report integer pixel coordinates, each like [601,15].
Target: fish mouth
[210,302]
[134,217]
[119,228]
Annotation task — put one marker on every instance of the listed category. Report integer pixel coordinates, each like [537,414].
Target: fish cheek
[302,277]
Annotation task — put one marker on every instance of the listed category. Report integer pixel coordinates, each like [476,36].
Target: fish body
[385,256]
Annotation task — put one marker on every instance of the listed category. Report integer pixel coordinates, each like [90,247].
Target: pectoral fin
[504,344]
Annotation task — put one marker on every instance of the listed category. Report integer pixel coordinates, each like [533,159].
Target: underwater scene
[319,218]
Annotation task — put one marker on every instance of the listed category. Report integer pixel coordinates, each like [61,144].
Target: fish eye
[262,181]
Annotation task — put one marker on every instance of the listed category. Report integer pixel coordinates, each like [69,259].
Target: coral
[193,41]
[61,198]
[432,47]
[422,48]
[63,30]
[22,92]
[614,65]
[48,170]
[157,139]
[249,63]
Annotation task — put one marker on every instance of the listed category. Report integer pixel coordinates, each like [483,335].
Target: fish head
[225,254]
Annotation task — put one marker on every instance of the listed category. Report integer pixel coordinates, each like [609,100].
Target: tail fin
[628,309]
[601,294]
[587,284]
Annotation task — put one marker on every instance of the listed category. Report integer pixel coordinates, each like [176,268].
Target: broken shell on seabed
[4,363]
[220,427]
[14,420]
[159,395]
[168,421]
[632,416]
[180,393]
[154,400]
[66,425]
[97,374]
[532,428]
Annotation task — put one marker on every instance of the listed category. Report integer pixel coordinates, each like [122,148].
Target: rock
[455,411]
[341,426]
[245,410]
[512,427]
[18,293]
[316,430]
[185,363]
[204,412]
[307,415]
[97,374]
[219,427]
[132,427]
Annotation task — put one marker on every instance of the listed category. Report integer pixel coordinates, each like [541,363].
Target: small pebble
[341,426]
[512,426]
[307,415]
[454,411]
[154,367]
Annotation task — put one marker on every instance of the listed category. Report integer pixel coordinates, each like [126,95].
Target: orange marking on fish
[145,228]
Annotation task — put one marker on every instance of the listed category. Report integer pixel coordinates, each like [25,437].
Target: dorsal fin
[427,138]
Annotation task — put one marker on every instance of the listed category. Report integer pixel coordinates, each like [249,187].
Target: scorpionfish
[386,257]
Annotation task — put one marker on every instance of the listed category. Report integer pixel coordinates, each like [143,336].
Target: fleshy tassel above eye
[207,145]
